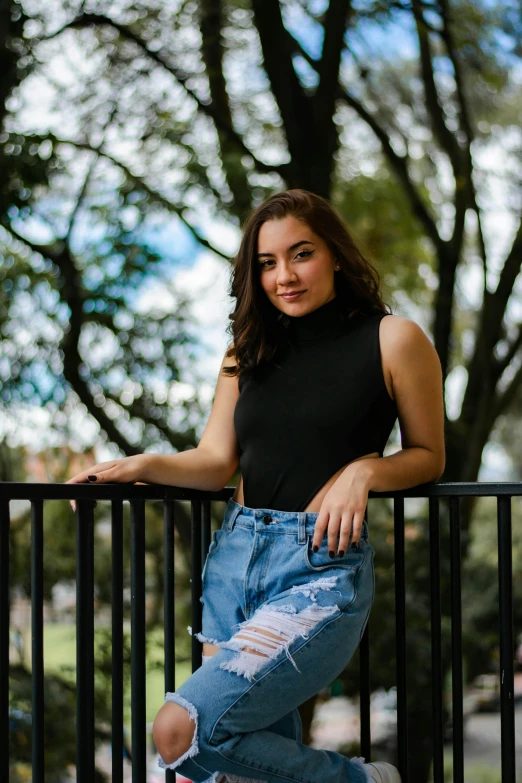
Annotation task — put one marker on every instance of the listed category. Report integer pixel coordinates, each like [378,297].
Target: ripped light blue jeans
[287,621]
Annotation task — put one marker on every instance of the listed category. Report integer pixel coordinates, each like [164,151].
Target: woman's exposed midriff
[315,504]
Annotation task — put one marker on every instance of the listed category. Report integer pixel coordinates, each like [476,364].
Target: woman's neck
[324,321]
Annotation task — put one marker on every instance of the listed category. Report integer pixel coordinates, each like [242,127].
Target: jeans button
[267,519]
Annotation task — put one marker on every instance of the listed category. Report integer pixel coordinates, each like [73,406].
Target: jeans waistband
[272,520]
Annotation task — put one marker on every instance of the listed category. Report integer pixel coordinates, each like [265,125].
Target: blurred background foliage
[135,135]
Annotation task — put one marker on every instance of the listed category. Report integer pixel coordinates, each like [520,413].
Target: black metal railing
[87,495]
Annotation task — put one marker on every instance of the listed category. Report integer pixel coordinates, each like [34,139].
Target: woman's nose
[286,276]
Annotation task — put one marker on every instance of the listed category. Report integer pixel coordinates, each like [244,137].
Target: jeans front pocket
[321,560]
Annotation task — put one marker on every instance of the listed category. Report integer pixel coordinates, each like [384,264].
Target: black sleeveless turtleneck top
[321,403]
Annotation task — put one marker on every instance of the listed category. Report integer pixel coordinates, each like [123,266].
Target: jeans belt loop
[301,523]
[233,515]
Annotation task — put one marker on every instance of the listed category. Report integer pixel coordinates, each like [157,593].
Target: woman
[307,395]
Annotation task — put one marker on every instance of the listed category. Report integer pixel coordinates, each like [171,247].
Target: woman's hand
[342,509]
[128,470]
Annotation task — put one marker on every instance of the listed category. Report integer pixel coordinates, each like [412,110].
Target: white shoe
[382,772]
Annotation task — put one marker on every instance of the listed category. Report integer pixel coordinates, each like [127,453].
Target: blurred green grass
[60,657]
[473,773]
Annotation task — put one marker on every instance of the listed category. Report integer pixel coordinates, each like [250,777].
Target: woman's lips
[291,297]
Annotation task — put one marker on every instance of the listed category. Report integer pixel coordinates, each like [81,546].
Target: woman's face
[291,258]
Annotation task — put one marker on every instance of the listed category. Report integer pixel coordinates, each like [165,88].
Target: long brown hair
[255,323]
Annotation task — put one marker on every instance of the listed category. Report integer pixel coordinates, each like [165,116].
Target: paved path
[482,739]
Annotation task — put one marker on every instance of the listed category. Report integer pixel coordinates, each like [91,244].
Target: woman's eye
[302,254]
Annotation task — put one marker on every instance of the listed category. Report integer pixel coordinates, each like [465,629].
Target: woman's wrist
[147,468]
[364,469]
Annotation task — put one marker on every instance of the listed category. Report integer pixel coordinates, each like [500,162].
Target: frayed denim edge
[359,761]
[230,778]
[193,750]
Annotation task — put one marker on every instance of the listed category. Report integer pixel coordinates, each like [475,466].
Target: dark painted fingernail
[354,545]
[316,548]
[92,478]
[341,552]
[331,553]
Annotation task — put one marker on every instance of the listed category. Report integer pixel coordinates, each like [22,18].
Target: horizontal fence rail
[86,496]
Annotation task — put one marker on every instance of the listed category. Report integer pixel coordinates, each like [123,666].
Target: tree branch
[294,105]
[60,255]
[90,171]
[87,20]
[447,37]
[503,401]
[483,369]
[460,157]
[465,122]
[11,29]
[398,163]
[138,409]
[499,299]
[335,23]
[154,194]
[48,251]
[211,22]
[505,361]
[441,132]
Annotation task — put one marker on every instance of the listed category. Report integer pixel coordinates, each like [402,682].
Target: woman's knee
[174,732]
[208,652]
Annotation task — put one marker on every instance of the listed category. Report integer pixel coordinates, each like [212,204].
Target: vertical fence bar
[85,641]
[400,632]
[37,660]
[138,665]
[365,695]
[169,627]
[4,638]
[507,675]
[205,530]
[365,690]
[168,595]
[456,643]
[117,639]
[195,580]
[436,645]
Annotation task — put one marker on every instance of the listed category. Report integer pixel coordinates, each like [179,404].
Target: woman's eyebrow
[292,247]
